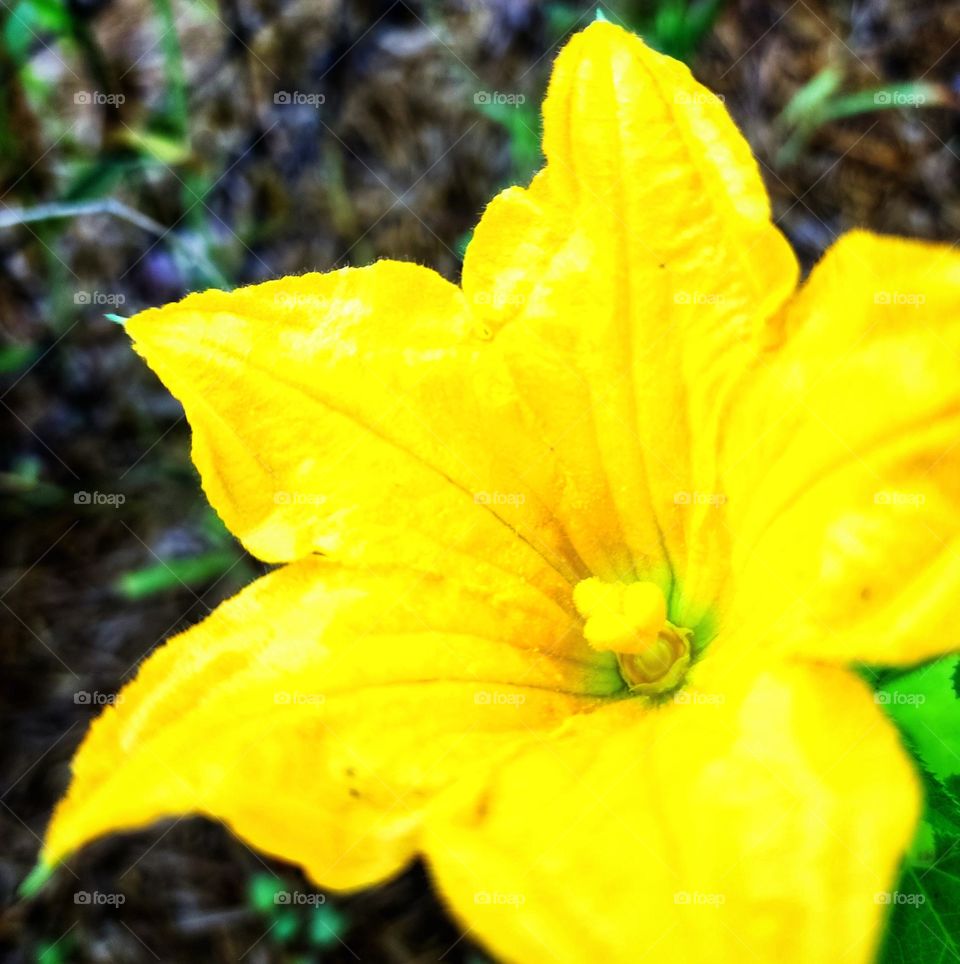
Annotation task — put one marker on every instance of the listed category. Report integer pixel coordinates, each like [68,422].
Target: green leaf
[924,706]
[28,21]
[89,180]
[262,891]
[327,925]
[175,573]
[522,123]
[924,922]
[678,27]
[286,926]
[15,357]
[924,908]
[924,918]
[51,954]
[942,809]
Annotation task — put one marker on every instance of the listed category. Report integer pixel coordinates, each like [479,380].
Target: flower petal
[357,414]
[628,288]
[761,824]
[843,462]
[318,711]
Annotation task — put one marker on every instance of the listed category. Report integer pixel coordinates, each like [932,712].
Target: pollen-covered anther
[630,619]
[620,617]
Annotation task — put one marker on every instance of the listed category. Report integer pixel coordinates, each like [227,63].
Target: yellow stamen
[630,619]
[620,617]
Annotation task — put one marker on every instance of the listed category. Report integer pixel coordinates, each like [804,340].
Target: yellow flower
[574,557]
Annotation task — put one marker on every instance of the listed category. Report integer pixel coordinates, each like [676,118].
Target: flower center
[630,619]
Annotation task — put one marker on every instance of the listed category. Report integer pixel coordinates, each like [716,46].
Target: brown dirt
[290,188]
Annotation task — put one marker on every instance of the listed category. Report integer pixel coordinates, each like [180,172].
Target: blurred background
[153,147]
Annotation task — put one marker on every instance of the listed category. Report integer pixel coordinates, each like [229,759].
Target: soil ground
[253,189]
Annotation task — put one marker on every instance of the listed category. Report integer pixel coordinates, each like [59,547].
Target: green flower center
[630,620]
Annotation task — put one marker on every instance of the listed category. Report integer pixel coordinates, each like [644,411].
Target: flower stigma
[630,620]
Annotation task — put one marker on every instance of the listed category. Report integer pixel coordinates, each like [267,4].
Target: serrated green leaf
[942,809]
[924,706]
[924,922]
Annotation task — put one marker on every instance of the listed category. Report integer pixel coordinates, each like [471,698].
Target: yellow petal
[627,288]
[843,462]
[358,414]
[319,711]
[757,824]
